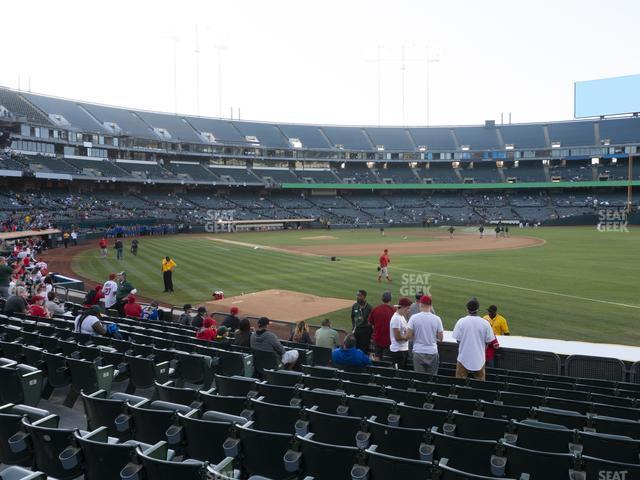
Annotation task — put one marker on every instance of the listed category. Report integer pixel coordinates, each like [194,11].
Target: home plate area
[283,305]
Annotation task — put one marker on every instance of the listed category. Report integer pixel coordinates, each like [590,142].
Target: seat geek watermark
[414,283]
[612,474]
[612,220]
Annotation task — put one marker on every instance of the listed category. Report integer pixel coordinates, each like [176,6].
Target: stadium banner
[607,96]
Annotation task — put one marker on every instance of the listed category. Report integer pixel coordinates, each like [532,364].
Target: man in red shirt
[131,308]
[36,309]
[379,318]
[383,269]
[102,244]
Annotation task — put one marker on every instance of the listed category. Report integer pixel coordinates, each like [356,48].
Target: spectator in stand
[102,245]
[198,320]
[360,312]
[266,341]
[93,296]
[349,354]
[132,308]
[242,336]
[124,289]
[185,316]
[326,336]
[473,333]
[37,309]
[499,326]
[232,321]
[5,277]
[301,333]
[110,290]
[380,318]
[207,331]
[151,312]
[425,328]
[88,322]
[53,306]
[222,334]
[17,303]
[398,341]
[415,306]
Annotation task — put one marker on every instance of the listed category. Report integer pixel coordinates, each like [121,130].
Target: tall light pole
[197,52]
[219,49]
[403,68]
[175,41]
[429,61]
[378,62]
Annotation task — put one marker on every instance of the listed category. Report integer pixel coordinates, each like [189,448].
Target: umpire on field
[167,273]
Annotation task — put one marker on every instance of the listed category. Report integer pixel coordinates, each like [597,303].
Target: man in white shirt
[473,333]
[110,288]
[425,328]
[398,333]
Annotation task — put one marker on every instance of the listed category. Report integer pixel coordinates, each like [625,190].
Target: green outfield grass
[581,285]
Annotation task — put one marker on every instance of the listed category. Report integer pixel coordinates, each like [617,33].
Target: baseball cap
[208,322]
[386,250]
[419,295]
[263,322]
[202,310]
[473,305]
[112,276]
[386,297]
[222,330]
[233,310]
[187,306]
[403,302]
[95,310]
[123,273]
[425,299]
[492,309]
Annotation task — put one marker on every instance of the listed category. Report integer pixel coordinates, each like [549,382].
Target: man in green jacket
[124,289]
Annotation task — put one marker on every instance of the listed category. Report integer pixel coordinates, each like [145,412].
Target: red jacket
[37,311]
[380,317]
[490,352]
[133,310]
[207,334]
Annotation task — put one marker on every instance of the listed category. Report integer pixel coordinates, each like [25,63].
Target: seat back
[610,447]
[333,429]
[275,393]
[315,455]
[397,441]
[477,453]
[156,467]
[48,443]
[11,423]
[274,418]
[235,386]
[262,452]
[103,460]
[326,401]
[233,405]
[203,439]
[182,396]
[144,372]
[412,417]
[265,361]
[382,467]
[536,463]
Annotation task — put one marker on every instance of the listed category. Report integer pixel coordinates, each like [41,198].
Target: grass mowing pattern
[577,262]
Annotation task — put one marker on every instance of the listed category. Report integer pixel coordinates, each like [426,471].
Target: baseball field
[566,283]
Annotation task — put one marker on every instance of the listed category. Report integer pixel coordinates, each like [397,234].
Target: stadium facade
[181,166]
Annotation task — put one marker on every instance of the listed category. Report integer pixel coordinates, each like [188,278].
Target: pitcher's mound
[280,305]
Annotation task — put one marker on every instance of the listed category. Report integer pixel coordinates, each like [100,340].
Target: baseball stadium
[199,297]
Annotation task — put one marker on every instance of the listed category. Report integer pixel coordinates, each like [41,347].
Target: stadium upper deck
[136,145]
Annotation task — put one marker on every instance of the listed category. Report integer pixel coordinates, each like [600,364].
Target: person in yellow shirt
[168,266]
[499,326]
[498,322]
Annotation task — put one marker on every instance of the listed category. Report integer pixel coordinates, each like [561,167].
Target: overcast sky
[316,62]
